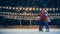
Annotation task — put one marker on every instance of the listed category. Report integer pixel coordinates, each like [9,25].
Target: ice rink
[28,31]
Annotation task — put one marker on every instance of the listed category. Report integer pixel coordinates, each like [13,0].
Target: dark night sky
[31,3]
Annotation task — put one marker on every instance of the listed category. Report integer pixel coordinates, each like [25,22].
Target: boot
[40,30]
[47,30]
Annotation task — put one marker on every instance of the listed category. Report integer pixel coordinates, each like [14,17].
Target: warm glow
[6,7]
[16,8]
[33,8]
[13,8]
[47,8]
[0,7]
[50,8]
[56,8]
[30,9]
[43,8]
[20,8]
[40,9]
[23,8]
[53,8]
[37,8]
[27,14]
[26,9]
[10,7]
[3,7]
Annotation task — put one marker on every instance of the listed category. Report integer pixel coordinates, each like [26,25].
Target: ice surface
[28,31]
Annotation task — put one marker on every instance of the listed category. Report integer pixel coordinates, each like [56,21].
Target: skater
[43,20]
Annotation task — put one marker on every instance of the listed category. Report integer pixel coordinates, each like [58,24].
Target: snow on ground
[28,31]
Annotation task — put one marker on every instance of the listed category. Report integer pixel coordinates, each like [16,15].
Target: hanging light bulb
[23,8]
[6,7]
[47,9]
[14,8]
[56,8]
[53,8]
[0,7]
[26,8]
[10,7]
[3,7]
[30,9]
[40,9]
[20,8]
[37,8]
[43,8]
[50,9]
[33,8]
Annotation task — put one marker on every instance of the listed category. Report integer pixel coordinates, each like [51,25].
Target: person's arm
[46,14]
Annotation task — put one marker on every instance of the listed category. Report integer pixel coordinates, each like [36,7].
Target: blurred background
[25,13]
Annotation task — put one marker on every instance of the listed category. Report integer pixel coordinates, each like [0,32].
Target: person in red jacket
[43,20]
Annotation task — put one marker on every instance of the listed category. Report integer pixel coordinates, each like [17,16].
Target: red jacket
[42,17]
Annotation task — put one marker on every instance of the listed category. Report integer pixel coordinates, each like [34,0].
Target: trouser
[42,23]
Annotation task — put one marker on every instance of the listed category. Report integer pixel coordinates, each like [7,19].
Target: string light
[43,8]
[3,7]
[37,8]
[56,8]
[33,8]
[30,9]
[27,14]
[26,8]
[16,8]
[13,8]
[10,7]
[40,9]
[50,9]
[53,8]
[47,9]
[6,7]
[20,8]
[0,7]
[23,8]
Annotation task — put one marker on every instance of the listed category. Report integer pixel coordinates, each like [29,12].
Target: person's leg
[47,27]
[41,26]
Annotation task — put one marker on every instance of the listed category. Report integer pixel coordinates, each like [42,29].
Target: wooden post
[20,23]
[30,22]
